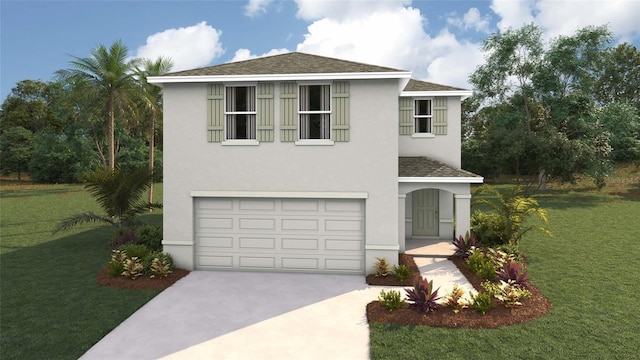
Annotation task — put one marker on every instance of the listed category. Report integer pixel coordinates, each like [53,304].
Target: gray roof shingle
[289,63]
[420,166]
[417,85]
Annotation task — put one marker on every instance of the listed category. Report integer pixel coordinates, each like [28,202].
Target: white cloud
[471,20]
[256,7]
[343,9]
[394,38]
[245,54]
[565,17]
[188,47]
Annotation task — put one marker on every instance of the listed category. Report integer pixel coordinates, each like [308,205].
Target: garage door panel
[257,243]
[300,244]
[304,235]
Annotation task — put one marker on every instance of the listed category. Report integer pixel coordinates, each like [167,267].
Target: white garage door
[297,235]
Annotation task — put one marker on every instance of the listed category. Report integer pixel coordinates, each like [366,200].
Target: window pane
[241,99]
[423,125]
[315,126]
[423,107]
[240,127]
[317,98]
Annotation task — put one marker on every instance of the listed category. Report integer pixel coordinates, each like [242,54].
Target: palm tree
[151,97]
[510,213]
[119,194]
[111,74]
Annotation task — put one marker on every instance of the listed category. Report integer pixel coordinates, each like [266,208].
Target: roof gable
[417,85]
[289,63]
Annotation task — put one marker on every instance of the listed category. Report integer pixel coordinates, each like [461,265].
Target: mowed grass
[589,270]
[50,304]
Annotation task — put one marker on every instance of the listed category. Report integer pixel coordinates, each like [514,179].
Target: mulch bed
[143,282]
[534,307]
[390,280]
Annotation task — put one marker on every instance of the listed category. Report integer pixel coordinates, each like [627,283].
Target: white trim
[464,94]
[423,135]
[462,196]
[177,243]
[446,221]
[450,180]
[241,142]
[382,247]
[279,77]
[281,194]
[314,142]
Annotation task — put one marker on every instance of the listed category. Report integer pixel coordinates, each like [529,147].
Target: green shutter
[406,116]
[340,111]
[265,112]
[215,113]
[288,111]
[440,116]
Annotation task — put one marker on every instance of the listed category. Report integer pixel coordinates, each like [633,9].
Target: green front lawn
[588,270]
[50,304]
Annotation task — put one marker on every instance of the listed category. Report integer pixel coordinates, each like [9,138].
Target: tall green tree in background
[109,75]
[539,114]
[151,99]
[16,147]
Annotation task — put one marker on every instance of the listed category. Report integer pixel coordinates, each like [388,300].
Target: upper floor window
[423,116]
[315,112]
[240,112]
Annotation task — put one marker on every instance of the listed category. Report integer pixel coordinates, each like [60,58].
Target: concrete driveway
[252,315]
[242,315]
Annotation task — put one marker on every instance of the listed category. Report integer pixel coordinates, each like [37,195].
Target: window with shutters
[423,116]
[314,112]
[240,113]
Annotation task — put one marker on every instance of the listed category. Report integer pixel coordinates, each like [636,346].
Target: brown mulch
[534,307]
[390,280]
[143,282]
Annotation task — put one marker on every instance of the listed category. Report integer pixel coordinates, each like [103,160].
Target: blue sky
[438,40]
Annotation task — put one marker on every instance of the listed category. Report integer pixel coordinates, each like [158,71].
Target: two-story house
[303,163]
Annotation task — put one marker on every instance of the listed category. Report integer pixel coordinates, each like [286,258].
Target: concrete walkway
[249,315]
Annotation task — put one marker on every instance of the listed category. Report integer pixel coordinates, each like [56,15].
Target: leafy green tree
[620,76]
[539,114]
[35,105]
[110,76]
[63,157]
[622,121]
[16,147]
[509,216]
[119,194]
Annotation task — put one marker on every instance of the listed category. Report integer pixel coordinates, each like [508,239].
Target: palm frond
[78,219]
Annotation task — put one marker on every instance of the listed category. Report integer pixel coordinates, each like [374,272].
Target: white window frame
[253,133]
[327,112]
[417,117]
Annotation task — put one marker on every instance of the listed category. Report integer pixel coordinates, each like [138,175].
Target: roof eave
[464,94]
[450,180]
[279,77]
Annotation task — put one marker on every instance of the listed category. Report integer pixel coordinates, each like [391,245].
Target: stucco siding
[445,148]
[368,162]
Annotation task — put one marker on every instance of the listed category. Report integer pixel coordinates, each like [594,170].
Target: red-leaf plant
[421,297]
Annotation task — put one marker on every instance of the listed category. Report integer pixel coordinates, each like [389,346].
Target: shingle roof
[289,63]
[420,166]
[417,85]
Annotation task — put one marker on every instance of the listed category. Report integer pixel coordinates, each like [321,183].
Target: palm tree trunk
[151,153]
[110,130]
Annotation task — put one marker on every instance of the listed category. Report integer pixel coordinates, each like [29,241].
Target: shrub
[391,300]
[123,237]
[481,265]
[482,302]
[454,299]
[512,271]
[115,268]
[151,236]
[511,293]
[381,267]
[464,245]
[421,297]
[160,267]
[135,250]
[402,272]
[164,259]
[132,267]
[499,257]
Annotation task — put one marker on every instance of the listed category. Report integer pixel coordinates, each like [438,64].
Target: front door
[425,212]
